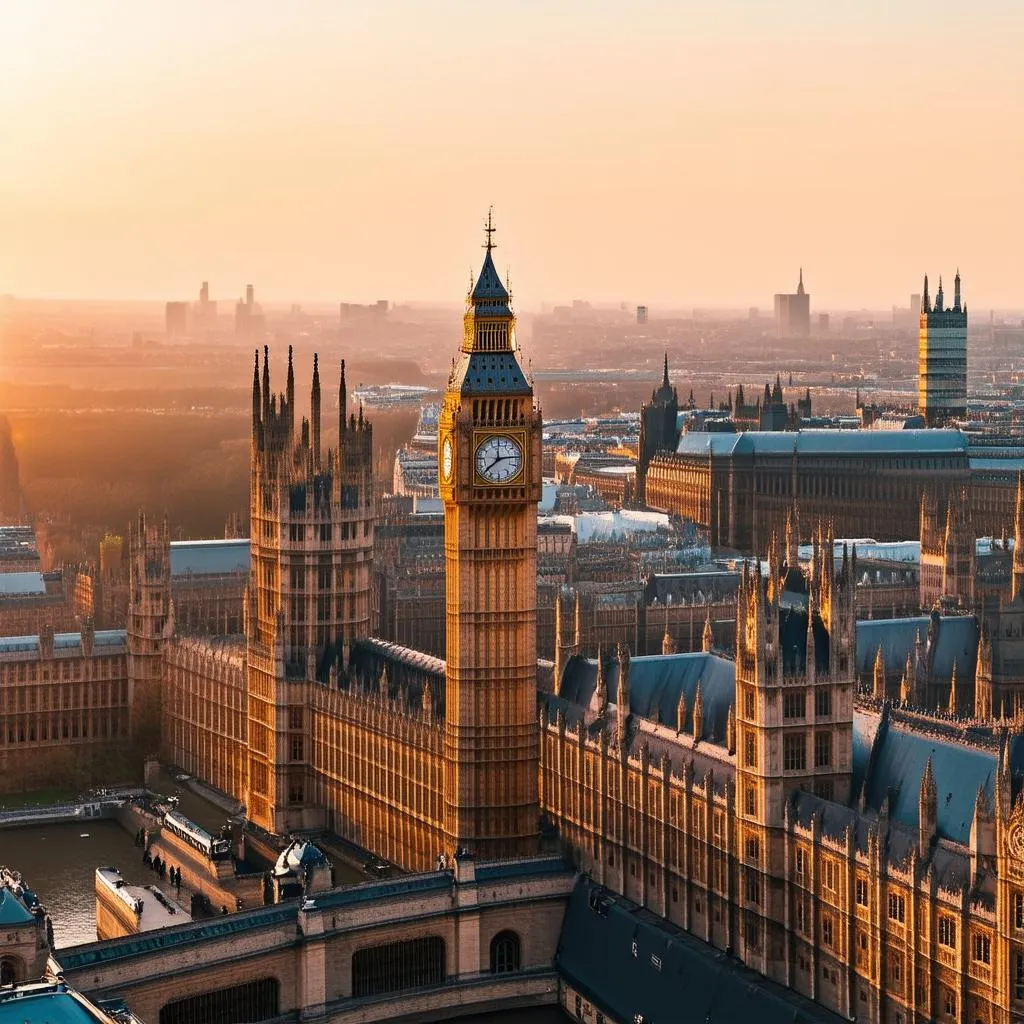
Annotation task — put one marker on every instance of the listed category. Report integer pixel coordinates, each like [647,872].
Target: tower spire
[956,291]
[342,400]
[800,285]
[489,230]
[257,398]
[266,382]
[290,391]
[925,303]
[314,412]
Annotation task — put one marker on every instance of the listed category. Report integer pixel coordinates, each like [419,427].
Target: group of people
[161,867]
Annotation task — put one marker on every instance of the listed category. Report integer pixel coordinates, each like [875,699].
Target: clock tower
[489,453]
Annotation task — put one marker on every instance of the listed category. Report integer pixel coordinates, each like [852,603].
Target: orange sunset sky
[663,152]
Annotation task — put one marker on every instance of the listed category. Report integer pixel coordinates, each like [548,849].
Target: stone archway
[10,971]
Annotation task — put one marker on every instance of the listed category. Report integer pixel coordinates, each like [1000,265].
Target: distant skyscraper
[942,358]
[641,314]
[793,312]
[176,318]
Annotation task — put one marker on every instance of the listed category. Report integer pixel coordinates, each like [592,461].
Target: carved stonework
[1015,833]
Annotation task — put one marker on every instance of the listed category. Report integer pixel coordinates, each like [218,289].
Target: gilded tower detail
[489,454]
[309,589]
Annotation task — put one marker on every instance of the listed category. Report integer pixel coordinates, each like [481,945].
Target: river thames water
[59,861]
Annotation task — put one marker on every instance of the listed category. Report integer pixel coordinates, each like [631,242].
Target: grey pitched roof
[955,640]
[855,443]
[897,765]
[209,557]
[629,962]
[488,289]
[656,683]
[479,373]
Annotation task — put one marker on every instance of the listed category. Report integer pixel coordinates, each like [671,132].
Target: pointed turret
[314,411]
[927,810]
[257,398]
[342,400]
[698,712]
[622,693]
[664,379]
[681,712]
[290,392]
[668,645]
[878,677]
[707,638]
[730,731]
[266,383]
[925,303]
[952,692]
[938,297]
[956,291]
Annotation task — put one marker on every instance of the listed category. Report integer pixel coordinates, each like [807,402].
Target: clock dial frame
[498,459]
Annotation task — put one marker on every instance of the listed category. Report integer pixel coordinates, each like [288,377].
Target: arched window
[8,971]
[506,953]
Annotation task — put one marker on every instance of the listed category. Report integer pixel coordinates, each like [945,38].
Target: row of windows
[794,750]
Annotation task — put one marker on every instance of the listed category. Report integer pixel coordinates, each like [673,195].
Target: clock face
[499,459]
[446,458]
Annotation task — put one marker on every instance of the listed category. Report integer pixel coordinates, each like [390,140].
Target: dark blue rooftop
[945,640]
[489,290]
[369,891]
[897,766]
[75,958]
[480,373]
[628,962]
[656,683]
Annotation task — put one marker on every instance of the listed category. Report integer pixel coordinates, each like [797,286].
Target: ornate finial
[489,230]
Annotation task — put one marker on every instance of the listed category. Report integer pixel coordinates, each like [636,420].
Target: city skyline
[662,157]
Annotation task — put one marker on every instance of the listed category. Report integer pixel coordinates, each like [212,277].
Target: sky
[666,152]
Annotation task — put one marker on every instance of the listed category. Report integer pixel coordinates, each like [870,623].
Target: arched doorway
[8,971]
[506,953]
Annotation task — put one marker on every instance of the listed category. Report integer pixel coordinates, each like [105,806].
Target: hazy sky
[668,152]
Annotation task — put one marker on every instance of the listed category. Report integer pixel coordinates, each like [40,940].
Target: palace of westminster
[837,800]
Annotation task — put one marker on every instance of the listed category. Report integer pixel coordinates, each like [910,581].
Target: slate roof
[628,962]
[18,583]
[855,443]
[67,642]
[956,640]
[209,557]
[488,290]
[896,765]
[655,685]
[479,373]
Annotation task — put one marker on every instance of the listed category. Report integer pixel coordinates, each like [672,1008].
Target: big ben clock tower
[489,454]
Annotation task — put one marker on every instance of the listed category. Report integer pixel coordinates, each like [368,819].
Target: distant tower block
[641,314]
[942,358]
[793,312]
